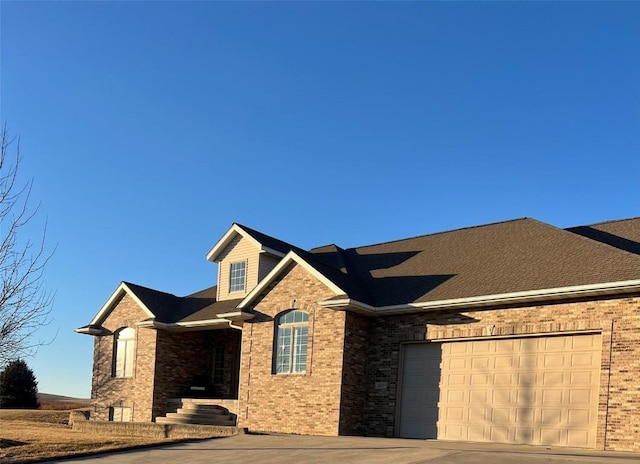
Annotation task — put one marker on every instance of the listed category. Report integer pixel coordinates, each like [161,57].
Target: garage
[528,390]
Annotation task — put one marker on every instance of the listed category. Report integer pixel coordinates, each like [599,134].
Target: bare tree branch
[25,304]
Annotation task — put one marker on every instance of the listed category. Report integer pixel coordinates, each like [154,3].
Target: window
[237,276]
[125,340]
[218,366]
[291,343]
[119,414]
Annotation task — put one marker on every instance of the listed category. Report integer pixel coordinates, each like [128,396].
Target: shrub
[18,386]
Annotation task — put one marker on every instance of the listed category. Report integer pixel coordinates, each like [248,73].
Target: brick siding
[306,403]
[354,385]
[351,381]
[619,400]
[135,392]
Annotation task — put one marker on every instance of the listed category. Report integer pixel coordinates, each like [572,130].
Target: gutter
[548,294]
[223,321]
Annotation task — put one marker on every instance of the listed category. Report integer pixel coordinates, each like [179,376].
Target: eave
[222,321]
[91,330]
[532,296]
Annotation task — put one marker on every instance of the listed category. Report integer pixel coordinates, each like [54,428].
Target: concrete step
[183,419]
[204,408]
[199,411]
[200,417]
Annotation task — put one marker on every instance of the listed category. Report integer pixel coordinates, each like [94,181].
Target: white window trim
[120,414]
[231,277]
[292,326]
[124,348]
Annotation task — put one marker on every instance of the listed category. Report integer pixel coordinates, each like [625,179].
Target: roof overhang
[532,296]
[231,234]
[222,321]
[291,257]
[91,330]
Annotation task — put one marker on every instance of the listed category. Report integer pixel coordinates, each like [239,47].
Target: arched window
[124,352]
[291,343]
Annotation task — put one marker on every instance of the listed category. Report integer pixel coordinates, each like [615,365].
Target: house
[512,332]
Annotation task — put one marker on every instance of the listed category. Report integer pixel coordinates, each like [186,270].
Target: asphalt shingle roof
[518,255]
[169,308]
[623,234]
[505,257]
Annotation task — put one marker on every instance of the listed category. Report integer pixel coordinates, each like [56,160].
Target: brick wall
[354,384]
[619,401]
[306,403]
[135,392]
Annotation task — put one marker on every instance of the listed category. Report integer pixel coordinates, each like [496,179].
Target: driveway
[270,449]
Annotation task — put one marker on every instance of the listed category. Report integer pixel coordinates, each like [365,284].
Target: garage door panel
[478,396]
[578,438]
[584,360]
[503,362]
[580,397]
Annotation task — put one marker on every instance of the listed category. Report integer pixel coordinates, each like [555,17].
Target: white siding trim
[606,288]
[226,239]
[108,306]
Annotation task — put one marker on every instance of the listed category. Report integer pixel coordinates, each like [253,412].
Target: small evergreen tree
[18,386]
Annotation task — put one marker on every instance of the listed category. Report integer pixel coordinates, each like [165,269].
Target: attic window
[237,277]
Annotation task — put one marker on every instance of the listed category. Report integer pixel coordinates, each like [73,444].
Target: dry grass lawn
[35,435]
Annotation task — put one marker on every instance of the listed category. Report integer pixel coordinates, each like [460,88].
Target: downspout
[246,408]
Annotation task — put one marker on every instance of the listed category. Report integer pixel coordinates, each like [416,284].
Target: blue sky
[150,127]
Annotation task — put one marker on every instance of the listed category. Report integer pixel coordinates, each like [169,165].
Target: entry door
[420,390]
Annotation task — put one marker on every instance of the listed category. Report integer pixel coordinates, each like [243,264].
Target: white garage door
[538,390]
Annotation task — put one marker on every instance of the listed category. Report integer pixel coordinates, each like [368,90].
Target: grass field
[34,435]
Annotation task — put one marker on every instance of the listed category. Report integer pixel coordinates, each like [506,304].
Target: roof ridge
[609,221]
[191,295]
[130,284]
[596,242]
[448,231]
[251,230]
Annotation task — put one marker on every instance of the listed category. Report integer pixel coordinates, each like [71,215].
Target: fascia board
[108,306]
[236,315]
[226,239]
[275,272]
[89,331]
[607,288]
[271,251]
[183,325]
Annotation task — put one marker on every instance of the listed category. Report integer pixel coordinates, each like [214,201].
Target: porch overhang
[233,320]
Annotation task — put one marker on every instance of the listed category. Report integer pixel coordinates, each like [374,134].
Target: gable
[126,312]
[115,298]
[283,268]
[239,250]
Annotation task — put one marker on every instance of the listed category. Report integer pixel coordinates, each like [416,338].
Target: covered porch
[196,367]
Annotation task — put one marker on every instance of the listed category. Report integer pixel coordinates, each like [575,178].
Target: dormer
[244,256]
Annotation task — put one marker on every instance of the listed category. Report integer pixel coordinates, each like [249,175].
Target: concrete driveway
[269,449]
